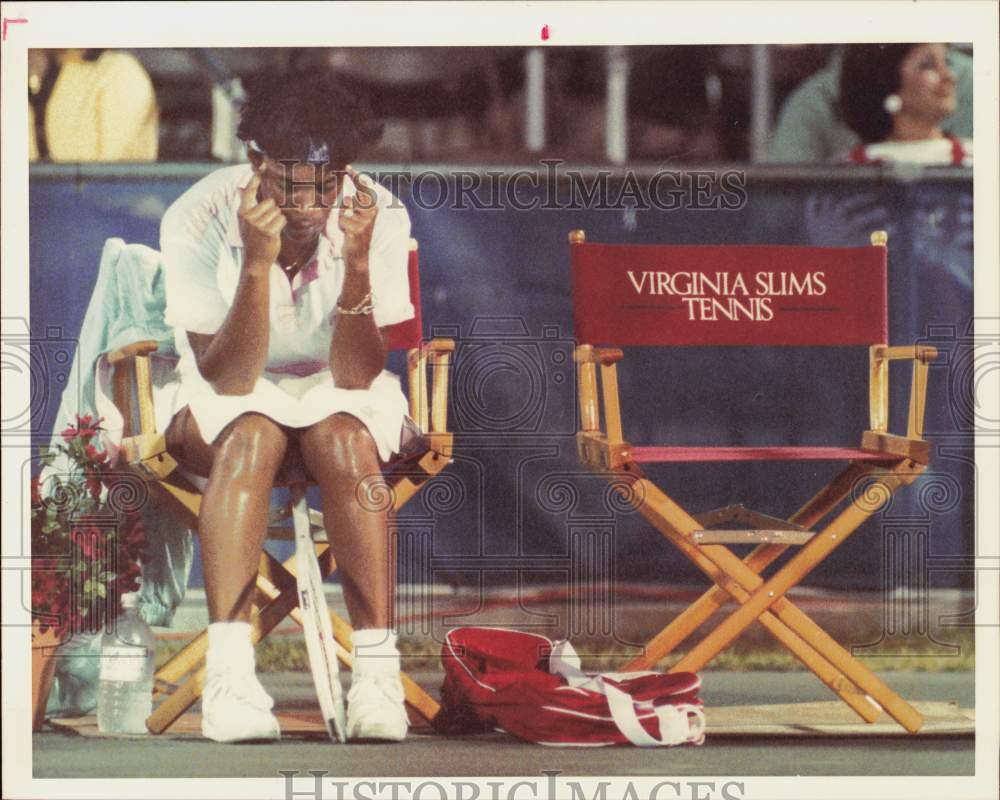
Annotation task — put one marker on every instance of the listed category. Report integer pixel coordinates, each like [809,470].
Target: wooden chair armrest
[879,358]
[143,348]
[147,454]
[916,352]
[438,346]
[588,354]
[441,350]
[131,373]
[429,409]
[917,450]
[588,358]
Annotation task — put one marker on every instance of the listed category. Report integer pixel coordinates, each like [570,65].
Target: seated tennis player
[280,275]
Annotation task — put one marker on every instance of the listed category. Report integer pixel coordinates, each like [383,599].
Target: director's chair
[671,296]
[179,681]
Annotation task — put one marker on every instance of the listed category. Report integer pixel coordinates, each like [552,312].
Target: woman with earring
[896,97]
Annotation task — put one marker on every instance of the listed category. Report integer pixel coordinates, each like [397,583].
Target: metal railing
[791,173]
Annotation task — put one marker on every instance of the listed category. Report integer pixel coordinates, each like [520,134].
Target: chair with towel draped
[426,453]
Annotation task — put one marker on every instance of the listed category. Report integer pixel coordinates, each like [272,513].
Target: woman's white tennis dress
[202,253]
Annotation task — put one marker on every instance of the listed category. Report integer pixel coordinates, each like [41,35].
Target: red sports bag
[533,688]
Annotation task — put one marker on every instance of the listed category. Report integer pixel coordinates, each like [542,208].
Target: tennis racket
[316,625]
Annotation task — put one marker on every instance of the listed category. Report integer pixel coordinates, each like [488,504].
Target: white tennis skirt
[290,400]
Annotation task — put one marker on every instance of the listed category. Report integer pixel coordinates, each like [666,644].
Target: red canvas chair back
[408,334]
[729,295]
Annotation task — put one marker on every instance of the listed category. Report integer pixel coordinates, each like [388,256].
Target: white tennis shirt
[202,253]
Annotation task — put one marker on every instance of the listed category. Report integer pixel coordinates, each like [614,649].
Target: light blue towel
[126,306]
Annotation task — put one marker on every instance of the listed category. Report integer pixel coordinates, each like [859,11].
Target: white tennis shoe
[375,708]
[236,708]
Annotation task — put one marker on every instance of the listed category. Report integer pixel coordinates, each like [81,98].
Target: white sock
[229,647]
[374,651]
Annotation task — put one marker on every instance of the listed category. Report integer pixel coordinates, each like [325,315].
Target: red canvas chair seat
[680,296]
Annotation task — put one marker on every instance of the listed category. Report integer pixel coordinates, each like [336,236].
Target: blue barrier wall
[516,504]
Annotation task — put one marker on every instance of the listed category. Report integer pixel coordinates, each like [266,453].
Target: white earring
[892,104]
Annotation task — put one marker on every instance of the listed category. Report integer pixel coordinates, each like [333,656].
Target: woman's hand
[260,226]
[357,221]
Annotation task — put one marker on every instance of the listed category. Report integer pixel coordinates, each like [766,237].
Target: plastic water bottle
[125,698]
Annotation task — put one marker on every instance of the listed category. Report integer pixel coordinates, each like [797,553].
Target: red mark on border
[545,33]
[8,21]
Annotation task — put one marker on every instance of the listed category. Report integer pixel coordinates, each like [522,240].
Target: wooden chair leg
[695,615]
[802,649]
[758,560]
[766,593]
[726,569]
[822,667]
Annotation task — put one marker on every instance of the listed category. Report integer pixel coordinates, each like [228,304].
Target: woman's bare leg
[240,466]
[340,453]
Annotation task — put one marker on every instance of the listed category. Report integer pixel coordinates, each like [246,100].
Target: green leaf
[102,590]
[108,576]
[88,586]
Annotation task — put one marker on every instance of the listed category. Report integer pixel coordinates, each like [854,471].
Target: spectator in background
[90,105]
[810,128]
[896,97]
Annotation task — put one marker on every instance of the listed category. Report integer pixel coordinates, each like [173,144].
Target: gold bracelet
[365,307]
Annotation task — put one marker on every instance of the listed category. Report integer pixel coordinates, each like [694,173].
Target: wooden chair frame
[604,450]
[179,682]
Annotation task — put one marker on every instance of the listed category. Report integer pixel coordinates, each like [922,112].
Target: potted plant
[86,542]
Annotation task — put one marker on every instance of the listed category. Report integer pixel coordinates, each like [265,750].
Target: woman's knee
[185,443]
[340,443]
[252,442]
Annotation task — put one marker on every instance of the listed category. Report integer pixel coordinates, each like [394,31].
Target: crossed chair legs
[764,599]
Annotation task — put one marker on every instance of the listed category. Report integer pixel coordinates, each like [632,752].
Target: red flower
[56,602]
[86,428]
[95,455]
[92,479]
[88,425]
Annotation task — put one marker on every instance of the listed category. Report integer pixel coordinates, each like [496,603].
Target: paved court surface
[70,756]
